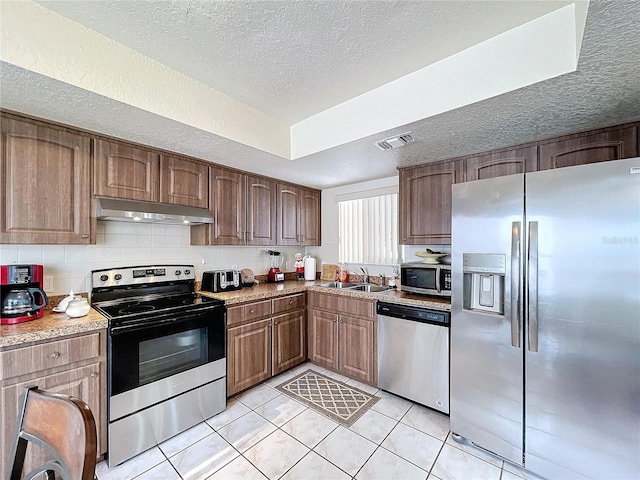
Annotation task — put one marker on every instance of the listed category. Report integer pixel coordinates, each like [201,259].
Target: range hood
[149,212]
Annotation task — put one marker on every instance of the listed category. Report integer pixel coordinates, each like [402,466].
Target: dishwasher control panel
[416,314]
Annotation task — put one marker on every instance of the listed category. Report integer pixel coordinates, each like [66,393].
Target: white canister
[309,268]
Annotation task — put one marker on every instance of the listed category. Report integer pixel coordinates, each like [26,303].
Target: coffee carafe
[21,293]
[275,262]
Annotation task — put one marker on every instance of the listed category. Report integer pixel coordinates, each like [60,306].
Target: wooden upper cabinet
[499,164]
[589,147]
[261,211]
[425,203]
[288,215]
[227,203]
[123,171]
[298,216]
[310,217]
[183,182]
[45,185]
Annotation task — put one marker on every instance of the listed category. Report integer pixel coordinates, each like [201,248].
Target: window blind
[368,230]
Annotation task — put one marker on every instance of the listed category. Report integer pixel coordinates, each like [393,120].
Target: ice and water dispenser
[483,284]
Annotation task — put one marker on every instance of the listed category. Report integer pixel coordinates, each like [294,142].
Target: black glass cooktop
[142,306]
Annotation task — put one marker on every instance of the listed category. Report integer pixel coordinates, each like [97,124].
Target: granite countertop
[264,291]
[52,325]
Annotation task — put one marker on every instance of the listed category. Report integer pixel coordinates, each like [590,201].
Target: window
[368,229]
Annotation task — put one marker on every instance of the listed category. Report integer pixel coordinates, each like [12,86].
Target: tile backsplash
[121,244]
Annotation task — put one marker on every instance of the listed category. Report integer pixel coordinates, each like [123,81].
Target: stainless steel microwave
[426,279]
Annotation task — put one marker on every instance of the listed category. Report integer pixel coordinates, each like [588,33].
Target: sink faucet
[365,275]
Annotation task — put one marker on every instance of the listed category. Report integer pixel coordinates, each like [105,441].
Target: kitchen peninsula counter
[51,326]
[265,291]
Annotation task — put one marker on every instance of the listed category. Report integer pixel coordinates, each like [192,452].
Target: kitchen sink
[338,285]
[360,287]
[369,288]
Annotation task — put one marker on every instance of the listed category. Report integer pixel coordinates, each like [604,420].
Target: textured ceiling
[292,59]
[604,90]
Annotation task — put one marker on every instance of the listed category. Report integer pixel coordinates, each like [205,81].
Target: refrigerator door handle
[516,229]
[532,287]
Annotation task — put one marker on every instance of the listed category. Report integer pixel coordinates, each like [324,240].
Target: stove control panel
[141,274]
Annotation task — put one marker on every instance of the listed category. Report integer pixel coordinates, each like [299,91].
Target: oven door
[149,351]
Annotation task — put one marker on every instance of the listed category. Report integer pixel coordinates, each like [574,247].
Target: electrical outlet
[203,261]
[48,283]
[287,265]
[234,266]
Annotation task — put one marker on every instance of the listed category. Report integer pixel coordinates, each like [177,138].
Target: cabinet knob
[290,302]
[85,235]
[55,355]
[252,310]
[94,375]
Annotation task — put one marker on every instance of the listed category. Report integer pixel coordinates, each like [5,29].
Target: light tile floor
[266,434]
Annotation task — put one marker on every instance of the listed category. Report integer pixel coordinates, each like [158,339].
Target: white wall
[121,244]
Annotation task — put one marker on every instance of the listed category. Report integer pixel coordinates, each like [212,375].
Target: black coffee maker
[21,293]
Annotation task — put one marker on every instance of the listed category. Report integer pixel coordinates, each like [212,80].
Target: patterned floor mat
[337,400]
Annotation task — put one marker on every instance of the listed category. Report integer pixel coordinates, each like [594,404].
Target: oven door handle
[145,324]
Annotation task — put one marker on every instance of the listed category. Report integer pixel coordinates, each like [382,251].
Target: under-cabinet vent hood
[148,212]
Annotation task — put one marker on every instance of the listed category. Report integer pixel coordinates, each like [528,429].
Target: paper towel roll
[309,268]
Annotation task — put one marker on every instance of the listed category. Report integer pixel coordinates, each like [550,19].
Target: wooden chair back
[64,427]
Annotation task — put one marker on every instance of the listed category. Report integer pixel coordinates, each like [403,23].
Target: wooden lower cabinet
[264,339]
[323,338]
[248,355]
[343,340]
[356,348]
[288,341]
[73,367]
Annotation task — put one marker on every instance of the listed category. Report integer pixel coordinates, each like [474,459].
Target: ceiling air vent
[394,142]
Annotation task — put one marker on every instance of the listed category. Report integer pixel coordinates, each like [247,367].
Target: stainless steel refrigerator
[545,319]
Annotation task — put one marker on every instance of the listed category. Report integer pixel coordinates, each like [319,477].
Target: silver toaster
[221,281]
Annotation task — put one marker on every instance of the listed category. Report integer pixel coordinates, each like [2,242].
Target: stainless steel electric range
[166,354]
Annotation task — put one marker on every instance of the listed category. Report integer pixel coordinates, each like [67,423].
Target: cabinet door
[323,338]
[589,148]
[183,182]
[261,211]
[45,190]
[288,341]
[425,203]
[356,347]
[227,203]
[310,217]
[83,382]
[288,215]
[122,171]
[248,355]
[499,164]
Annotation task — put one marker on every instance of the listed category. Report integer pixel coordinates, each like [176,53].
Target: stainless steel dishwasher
[413,354]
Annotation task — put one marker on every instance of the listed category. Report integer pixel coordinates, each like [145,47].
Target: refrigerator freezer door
[582,394]
[486,368]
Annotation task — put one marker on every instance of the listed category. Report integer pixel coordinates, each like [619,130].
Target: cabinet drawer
[250,311]
[35,358]
[291,302]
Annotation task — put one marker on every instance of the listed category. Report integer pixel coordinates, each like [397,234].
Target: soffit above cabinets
[255,84]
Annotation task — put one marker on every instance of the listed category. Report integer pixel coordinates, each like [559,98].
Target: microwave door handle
[438,271]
